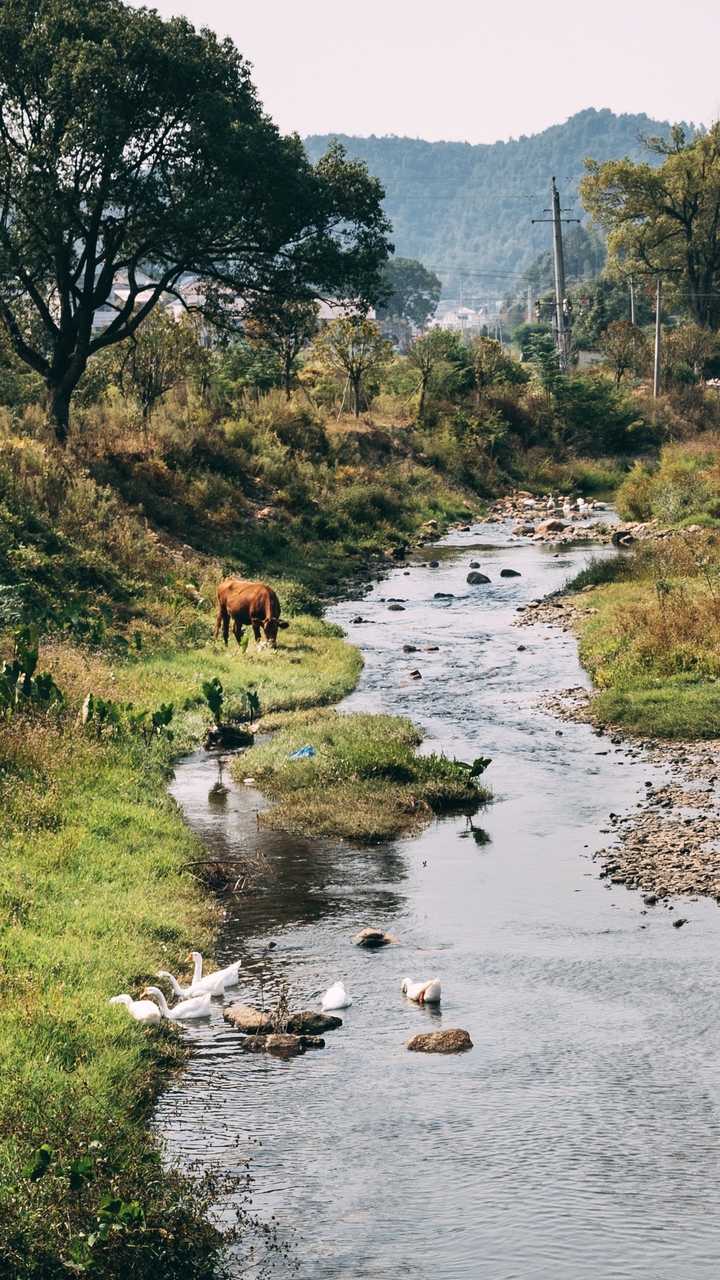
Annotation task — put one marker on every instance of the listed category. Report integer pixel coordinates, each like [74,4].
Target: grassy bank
[95,897]
[364,782]
[652,644]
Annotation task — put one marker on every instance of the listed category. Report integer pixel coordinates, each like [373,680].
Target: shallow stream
[579,1138]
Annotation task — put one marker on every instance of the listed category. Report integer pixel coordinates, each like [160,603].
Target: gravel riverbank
[670,843]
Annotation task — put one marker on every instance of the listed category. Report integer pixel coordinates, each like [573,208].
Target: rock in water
[474,564]
[551,526]
[372,938]
[244,1018]
[454,1040]
[475,579]
[254,1021]
[310,1023]
[282,1046]
[510,573]
[396,608]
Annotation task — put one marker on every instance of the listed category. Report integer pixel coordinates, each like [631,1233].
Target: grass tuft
[365,783]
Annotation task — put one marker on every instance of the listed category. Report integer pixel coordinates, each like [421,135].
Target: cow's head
[271,628]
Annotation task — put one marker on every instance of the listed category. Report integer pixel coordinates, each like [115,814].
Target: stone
[433,564]
[476,579]
[356,621]
[399,553]
[312,1042]
[524,530]
[245,1018]
[551,526]
[454,1040]
[678,924]
[309,1022]
[396,608]
[415,675]
[510,573]
[372,938]
[474,564]
[256,1023]
[281,1046]
[443,595]
[521,648]
[410,648]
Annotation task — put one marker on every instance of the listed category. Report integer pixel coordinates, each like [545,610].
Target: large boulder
[510,573]
[476,579]
[372,938]
[551,526]
[454,1040]
[396,608]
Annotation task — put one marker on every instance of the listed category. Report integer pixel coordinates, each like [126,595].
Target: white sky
[472,70]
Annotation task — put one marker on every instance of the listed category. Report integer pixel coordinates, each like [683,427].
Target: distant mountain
[465,209]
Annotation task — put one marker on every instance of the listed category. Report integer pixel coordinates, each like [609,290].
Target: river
[578,1140]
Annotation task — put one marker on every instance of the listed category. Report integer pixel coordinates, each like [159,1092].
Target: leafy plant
[214,696]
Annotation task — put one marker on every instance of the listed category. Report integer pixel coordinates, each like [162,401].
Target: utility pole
[559,266]
[562,312]
[656,362]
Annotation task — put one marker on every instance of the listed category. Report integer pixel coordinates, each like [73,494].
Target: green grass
[366,782]
[94,898]
[651,641]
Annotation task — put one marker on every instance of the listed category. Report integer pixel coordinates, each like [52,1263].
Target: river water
[578,1140]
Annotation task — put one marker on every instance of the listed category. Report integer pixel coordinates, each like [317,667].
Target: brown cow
[253,604]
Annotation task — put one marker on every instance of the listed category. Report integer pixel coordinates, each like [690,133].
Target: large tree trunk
[357,395]
[58,404]
[287,377]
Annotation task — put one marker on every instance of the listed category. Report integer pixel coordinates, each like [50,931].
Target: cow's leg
[222,620]
[237,630]
[256,625]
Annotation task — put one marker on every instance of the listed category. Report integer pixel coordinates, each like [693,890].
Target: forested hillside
[457,207]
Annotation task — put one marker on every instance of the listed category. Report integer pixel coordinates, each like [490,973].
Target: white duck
[185,1010]
[212,985]
[336,997]
[140,1010]
[422,992]
[228,975]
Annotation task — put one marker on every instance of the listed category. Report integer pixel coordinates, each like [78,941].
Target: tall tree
[135,149]
[428,353]
[286,328]
[411,292]
[625,349]
[353,346]
[160,354]
[666,220]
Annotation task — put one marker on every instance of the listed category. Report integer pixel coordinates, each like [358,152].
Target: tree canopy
[411,291]
[134,152]
[666,220]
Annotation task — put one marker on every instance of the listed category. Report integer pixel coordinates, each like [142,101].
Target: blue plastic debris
[303,753]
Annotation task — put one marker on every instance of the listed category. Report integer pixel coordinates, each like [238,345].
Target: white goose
[140,1010]
[185,1010]
[229,975]
[422,992]
[212,985]
[336,997]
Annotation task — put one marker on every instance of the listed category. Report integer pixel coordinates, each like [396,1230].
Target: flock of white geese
[194,999]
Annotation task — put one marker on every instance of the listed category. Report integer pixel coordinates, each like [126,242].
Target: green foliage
[664,219]
[354,348]
[213,694]
[106,718]
[683,488]
[21,685]
[411,292]
[596,417]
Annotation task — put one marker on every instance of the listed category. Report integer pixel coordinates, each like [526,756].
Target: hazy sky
[476,70]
